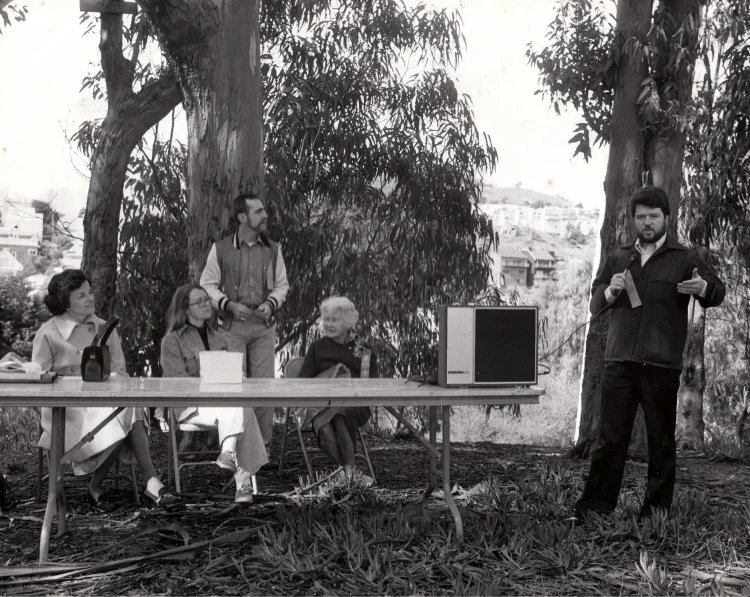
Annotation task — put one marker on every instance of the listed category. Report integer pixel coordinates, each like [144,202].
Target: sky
[43,60]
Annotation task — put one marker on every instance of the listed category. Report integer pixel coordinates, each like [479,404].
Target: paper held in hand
[218,366]
[635,300]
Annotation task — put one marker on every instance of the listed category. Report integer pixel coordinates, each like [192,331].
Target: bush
[20,316]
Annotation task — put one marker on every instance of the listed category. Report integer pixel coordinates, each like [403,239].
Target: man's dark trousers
[625,384]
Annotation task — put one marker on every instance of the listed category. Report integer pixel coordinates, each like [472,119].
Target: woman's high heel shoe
[164,498]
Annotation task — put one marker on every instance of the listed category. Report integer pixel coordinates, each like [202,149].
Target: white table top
[189,391]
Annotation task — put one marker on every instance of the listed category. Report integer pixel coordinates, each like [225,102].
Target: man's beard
[658,234]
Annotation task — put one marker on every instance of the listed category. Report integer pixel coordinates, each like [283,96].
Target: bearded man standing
[647,285]
[245,277]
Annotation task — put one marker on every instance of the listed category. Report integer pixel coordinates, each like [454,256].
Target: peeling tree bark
[624,168]
[637,154]
[214,47]
[129,116]
[692,383]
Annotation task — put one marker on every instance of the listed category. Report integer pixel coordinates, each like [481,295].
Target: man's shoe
[228,461]
[244,492]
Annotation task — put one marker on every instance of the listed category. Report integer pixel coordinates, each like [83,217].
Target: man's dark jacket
[655,332]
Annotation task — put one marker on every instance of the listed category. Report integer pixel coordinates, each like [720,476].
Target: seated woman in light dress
[58,347]
[335,427]
[191,328]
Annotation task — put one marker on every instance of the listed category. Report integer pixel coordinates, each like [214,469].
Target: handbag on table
[96,361]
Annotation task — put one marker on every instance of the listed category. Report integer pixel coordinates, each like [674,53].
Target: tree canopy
[373,169]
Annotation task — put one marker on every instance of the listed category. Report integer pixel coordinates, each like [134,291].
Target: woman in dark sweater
[338,352]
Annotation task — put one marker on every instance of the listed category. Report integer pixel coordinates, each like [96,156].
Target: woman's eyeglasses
[201,302]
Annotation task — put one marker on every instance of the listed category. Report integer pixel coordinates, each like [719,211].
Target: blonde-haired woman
[335,427]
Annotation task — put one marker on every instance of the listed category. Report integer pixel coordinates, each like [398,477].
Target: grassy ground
[515,502]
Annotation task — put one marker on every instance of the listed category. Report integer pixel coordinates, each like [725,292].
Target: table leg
[447,474]
[61,503]
[55,454]
[432,422]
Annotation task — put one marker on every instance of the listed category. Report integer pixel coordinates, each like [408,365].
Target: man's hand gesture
[694,285]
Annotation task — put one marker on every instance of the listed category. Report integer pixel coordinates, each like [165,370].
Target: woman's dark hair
[650,197]
[179,305]
[59,288]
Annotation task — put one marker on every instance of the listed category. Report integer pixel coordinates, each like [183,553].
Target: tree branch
[152,103]
[117,72]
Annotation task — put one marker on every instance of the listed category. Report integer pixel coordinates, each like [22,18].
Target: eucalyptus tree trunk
[624,168]
[692,383]
[129,116]
[666,158]
[214,48]
[639,154]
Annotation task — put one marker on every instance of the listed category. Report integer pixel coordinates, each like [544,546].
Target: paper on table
[220,367]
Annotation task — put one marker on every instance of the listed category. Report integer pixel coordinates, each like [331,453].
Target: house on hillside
[21,245]
[545,265]
[9,265]
[516,267]
[525,267]
[21,231]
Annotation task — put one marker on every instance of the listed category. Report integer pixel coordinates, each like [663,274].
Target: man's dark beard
[656,238]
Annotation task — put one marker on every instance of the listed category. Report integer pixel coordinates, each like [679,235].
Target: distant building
[545,265]
[21,245]
[9,265]
[73,257]
[515,266]
[21,231]
[525,267]
[553,219]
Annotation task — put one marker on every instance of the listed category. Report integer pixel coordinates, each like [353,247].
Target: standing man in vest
[245,277]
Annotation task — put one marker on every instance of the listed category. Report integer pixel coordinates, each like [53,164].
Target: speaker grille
[505,345]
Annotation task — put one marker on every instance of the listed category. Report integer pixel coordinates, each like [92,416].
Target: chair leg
[304,450]
[39,475]
[40,466]
[136,495]
[255,485]
[169,454]
[283,439]
[366,454]
[173,442]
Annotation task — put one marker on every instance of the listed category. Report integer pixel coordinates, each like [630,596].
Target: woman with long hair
[191,329]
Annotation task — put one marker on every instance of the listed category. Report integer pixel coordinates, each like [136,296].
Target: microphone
[616,292]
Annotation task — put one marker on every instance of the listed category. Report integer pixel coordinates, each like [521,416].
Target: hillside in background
[520,196]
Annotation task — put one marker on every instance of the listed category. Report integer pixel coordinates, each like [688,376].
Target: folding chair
[207,457]
[291,370]
[116,475]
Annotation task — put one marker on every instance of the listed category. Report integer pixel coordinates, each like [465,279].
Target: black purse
[96,361]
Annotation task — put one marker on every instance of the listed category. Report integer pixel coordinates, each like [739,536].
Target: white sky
[43,60]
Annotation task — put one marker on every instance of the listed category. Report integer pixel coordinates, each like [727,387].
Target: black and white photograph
[375,297]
